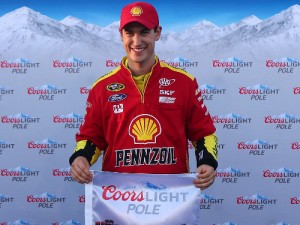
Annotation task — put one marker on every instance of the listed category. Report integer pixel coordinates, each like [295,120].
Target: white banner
[135,199]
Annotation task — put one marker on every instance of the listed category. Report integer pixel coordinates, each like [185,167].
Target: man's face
[139,42]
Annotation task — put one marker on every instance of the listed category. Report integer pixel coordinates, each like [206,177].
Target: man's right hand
[80,170]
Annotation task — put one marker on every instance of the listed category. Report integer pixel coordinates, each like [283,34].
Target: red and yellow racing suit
[146,130]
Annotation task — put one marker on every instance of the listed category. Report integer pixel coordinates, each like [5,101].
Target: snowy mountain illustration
[46,141]
[230,170]
[70,222]
[25,30]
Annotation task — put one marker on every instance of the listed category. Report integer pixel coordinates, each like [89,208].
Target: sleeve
[199,121]
[201,130]
[90,139]
[206,151]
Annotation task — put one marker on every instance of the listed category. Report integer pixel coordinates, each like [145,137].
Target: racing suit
[146,131]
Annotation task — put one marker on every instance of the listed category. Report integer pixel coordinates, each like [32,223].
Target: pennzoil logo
[144,129]
[115,87]
[136,11]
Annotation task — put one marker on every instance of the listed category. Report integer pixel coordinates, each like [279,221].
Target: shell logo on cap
[136,11]
[144,129]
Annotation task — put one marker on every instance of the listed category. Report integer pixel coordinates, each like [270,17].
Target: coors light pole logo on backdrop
[71,120]
[45,200]
[19,121]
[63,173]
[231,121]
[19,66]
[208,91]
[295,201]
[46,92]
[256,202]
[283,121]
[258,92]
[84,90]
[71,65]
[208,201]
[295,146]
[6,146]
[180,62]
[46,146]
[231,175]
[257,147]
[19,174]
[231,65]
[5,91]
[282,175]
[285,65]
[5,200]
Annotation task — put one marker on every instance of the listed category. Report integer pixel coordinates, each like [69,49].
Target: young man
[141,115]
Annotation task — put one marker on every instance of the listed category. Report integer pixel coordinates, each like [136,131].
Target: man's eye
[145,33]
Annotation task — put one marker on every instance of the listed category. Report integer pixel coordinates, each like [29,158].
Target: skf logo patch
[136,11]
[115,87]
[144,129]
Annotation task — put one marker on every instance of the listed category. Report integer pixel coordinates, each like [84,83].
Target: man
[141,115]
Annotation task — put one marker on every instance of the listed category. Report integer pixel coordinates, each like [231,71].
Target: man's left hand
[205,177]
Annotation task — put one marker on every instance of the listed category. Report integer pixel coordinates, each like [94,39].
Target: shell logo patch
[136,11]
[144,129]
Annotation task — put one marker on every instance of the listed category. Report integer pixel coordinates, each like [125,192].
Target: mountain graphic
[46,141]
[25,30]
[230,170]
[70,222]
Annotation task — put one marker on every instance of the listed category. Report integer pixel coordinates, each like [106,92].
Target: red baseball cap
[141,12]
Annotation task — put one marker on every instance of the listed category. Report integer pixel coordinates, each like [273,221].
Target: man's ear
[121,35]
[158,33]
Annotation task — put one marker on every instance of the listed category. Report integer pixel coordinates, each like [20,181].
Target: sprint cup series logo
[231,121]
[258,92]
[5,200]
[209,91]
[255,202]
[5,91]
[71,65]
[19,66]
[231,65]
[282,175]
[283,121]
[256,147]
[207,201]
[19,121]
[231,175]
[19,174]
[71,120]
[46,146]
[285,65]
[45,200]
[46,92]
